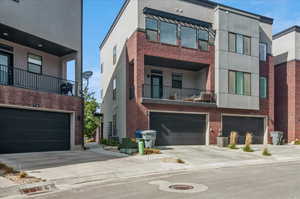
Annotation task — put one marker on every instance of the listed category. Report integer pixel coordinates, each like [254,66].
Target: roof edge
[124,6]
[287,31]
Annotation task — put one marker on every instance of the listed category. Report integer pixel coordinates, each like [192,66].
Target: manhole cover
[181,187]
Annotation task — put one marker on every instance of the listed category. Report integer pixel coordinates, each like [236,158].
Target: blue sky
[99,15]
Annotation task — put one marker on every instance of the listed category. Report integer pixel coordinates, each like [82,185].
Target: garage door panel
[33,131]
[242,125]
[178,129]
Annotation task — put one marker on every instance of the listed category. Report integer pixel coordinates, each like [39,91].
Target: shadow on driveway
[44,160]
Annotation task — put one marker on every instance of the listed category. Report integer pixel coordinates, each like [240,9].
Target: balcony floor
[177,102]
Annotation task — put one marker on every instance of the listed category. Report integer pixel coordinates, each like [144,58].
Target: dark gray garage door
[179,129]
[33,131]
[242,125]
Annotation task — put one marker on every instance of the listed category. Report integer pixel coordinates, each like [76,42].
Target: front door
[156,86]
[5,68]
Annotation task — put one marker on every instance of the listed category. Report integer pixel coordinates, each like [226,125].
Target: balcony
[184,96]
[23,79]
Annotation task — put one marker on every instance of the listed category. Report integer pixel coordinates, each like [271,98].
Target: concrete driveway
[46,160]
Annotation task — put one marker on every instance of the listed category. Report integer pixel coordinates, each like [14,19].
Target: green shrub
[128,143]
[232,146]
[110,142]
[248,148]
[266,152]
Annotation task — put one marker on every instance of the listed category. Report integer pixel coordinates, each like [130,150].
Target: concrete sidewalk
[97,165]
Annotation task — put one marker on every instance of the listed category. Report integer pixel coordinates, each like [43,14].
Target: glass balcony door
[5,62]
[156,86]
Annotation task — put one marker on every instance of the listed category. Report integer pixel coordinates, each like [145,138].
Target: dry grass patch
[173,160]
[151,151]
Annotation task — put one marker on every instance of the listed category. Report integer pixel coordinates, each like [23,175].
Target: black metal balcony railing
[183,94]
[23,79]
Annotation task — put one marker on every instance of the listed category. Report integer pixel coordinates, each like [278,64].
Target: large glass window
[34,63]
[114,54]
[262,51]
[263,87]
[114,88]
[168,33]
[247,45]
[232,44]
[152,29]
[177,81]
[203,38]
[238,43]
[188,37]
[239,83]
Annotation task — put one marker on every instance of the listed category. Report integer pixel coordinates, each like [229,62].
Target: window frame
[114,54]
[101,68]
[178,81]
[177,33]
[236,83]
[199,40]
[28,63]
[266,54]
[114,88]
[149,29]
[196,37]
[236,43]
[266,87]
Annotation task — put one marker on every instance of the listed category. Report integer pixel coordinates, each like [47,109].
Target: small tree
[233,140]
[91,121]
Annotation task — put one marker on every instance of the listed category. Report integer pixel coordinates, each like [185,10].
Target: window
[114,89]
[188,37]
[168,33]
[152,29]
[239,83]
[247,45]
[177,81]
[238,43]
[232,43]
[101,68]
[101,93]
[203,38]
[34,63]
[115,55]
[262,51]
[114,126]
[263,87]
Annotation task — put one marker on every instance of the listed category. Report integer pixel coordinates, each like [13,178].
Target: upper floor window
[34,63]
[177,80]
[263,87]
[203,37]
[239,83]
[239,44]
[101,68]
[168,33]
[115,55]
[262,51]
[114,88]
[188,37]
[152,29]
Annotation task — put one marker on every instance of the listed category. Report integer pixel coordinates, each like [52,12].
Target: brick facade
[138,46]
[19,97]
[287,84]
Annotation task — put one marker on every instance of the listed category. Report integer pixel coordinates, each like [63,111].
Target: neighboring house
[40,110]
[190,69]
[286,52]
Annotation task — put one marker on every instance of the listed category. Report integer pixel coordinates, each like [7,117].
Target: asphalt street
[275,181]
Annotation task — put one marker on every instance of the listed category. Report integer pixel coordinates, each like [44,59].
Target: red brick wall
[28,98]
[287,98]
[137,113]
